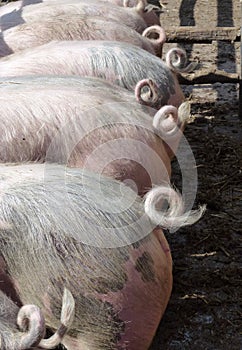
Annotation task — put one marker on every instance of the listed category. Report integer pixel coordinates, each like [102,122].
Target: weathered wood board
[210,33]
[202,14]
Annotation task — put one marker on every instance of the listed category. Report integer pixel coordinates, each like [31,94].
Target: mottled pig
[90,234]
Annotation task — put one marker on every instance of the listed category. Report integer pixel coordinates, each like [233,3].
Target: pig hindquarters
[82,122]
[133,14]
[89,234]
[120,63]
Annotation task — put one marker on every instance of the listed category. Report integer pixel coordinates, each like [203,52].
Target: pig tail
[174,217]
[30,318]
[176,60]
[146,92]
[157,37]
[167,120]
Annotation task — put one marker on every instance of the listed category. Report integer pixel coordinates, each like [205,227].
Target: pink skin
[148,165]
[127,16]
[150,17]
[176,99]
[67,57]
[36,33]
[133,302]
[138,172]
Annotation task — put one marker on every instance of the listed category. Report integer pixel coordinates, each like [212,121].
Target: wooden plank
[209,76]
[217,55]
[195,34]
[217,93]
[203,14]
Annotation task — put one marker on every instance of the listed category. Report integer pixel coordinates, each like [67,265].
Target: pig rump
[49,11]
[141,7]
[114,306]
[120,63]
[67,120]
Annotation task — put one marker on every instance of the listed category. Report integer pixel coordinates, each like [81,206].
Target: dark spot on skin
[59,246]
[139,243]
[145,265]
[102,319]
[104,285]
[119,325]
[136,245]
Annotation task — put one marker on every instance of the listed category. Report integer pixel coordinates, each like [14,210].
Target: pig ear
[157,36]
[173,217]
[146,92]
[165,121]
[176,60]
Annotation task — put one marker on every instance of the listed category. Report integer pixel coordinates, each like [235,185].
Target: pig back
[118,62]
[97,242]
[70,121]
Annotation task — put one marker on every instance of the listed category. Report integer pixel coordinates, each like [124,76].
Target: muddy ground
[204,312]
[205,308]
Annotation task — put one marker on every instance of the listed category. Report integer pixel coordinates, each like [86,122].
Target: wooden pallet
[210,34]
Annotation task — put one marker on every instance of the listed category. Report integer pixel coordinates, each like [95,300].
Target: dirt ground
[205,308]
[204,312]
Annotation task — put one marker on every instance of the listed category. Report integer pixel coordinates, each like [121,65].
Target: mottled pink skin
[151,308]
[134,304]
[139,302]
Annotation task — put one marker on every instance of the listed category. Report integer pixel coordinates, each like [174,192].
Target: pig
[120,63]
[90,234]
[15,9]
[24,327]
[85,122]
[76,27]
[128,16]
